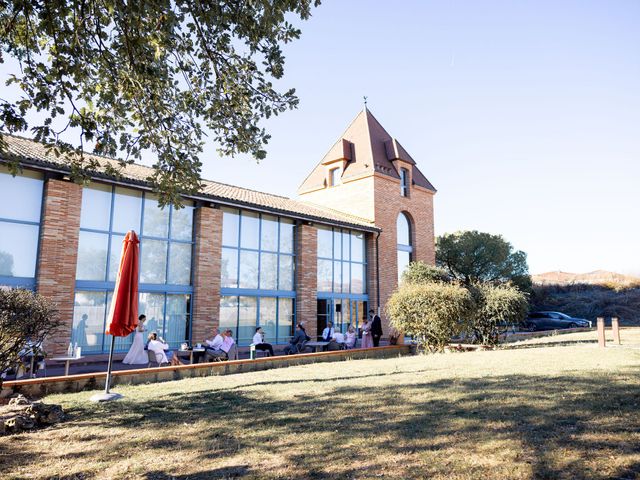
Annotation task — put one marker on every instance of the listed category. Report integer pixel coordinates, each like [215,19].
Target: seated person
[327,333]
[213,346]
[350,337]
[229,345]
[259,343]
[298,340]
[336,342]
[159,347]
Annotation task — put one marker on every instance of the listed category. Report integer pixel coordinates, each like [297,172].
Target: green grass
[546,412]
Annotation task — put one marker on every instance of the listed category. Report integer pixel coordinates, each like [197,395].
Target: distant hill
[588,295]
[598,277]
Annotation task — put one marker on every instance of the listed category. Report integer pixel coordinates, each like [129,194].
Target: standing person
[259,343]
[376,327]
[136,354]
[367,341]
[160,348]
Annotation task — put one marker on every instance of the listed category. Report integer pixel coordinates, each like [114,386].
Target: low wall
[517,337]
[39,387]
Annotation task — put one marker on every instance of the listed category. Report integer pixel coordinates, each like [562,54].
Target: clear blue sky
[524,115]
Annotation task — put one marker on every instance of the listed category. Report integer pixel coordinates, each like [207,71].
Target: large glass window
[257,275]
[242,314]
[167,314]
[166,236]
[405,246]
[20,207]
[166,245]
[341,261]
[257,251]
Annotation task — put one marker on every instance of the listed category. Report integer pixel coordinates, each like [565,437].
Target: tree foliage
[496,307]
[24,316]
[431,312]
[421,304]
[473,256]
[136,76]
[420,272]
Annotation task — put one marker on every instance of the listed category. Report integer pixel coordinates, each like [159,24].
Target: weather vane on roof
[365,100]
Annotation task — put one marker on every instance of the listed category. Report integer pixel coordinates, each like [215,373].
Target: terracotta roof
[372,150]
[30,152]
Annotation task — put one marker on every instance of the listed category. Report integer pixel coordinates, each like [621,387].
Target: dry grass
[548,412]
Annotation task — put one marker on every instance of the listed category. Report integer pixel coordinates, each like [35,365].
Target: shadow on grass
[548,427]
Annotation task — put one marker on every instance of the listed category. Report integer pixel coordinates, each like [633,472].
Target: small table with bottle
[74,352]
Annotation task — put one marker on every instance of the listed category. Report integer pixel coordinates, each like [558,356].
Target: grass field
[544,412]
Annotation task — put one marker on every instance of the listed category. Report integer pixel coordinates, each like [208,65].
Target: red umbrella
[123,315]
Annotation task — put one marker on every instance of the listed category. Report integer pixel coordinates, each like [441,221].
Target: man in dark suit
[376,327]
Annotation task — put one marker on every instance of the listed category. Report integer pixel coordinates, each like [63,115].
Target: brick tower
[369,174]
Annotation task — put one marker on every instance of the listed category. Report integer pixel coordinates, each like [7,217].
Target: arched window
[405,247]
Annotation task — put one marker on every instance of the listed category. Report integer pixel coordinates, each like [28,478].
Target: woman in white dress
[137,354]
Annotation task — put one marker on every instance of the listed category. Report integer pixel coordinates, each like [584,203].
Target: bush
[496,307]
[24,316]
[420,272]
[430,312]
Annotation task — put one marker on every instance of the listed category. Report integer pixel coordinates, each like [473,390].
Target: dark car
[553,320]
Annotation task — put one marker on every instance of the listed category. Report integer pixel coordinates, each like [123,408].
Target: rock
[19,400]
[21,415]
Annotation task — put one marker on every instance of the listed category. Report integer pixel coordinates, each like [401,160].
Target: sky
[524,115]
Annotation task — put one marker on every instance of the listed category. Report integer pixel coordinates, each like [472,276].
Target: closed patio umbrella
[123,314]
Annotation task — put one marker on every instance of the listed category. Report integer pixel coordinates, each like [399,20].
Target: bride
[137,354]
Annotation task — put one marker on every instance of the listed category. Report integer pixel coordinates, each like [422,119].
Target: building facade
[231,257]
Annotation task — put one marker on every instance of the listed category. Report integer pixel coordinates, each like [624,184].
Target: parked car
[553,320]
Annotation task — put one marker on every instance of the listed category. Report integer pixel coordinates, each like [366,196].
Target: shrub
[24,316]
[430,312]
[420,272]
[496,307]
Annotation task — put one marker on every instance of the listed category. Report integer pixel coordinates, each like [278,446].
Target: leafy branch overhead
[148,75]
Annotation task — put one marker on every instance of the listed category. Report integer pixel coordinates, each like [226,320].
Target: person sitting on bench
[259,343]
[213,347]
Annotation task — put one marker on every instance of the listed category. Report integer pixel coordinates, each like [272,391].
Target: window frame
[404,182]
[26,282]
[401,247]
[335,176]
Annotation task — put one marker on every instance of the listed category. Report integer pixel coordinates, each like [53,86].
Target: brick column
[306,277]
[206,272]
[56,273]
[372,284]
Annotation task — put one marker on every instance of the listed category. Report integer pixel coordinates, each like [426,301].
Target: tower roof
[365,147]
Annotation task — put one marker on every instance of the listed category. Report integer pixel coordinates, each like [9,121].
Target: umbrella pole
[107,396]
[107,383]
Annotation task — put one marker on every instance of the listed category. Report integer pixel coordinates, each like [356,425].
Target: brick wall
[306,277]
[58,252]
[206,272]
[419,207]
[354,196]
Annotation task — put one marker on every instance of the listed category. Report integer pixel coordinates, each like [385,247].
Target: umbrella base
[105,397]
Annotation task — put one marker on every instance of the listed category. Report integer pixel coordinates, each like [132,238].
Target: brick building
[232,257]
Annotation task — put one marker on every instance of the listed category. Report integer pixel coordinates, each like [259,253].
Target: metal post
[107,396]
[107,383]
[602,342]
[615,327]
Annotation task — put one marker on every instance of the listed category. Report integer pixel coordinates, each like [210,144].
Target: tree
[420,272]
[496,307]
[473,256]
[136,76]
[431,312]
[25,317]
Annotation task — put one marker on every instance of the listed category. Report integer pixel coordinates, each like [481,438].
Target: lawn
[544,412]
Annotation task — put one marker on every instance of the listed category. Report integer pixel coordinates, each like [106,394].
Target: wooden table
[191,351]
[66,361]
[317,345]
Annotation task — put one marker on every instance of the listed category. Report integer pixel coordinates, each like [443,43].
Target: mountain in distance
[598,277]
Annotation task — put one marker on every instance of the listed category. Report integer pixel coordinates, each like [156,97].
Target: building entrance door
[342,312]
